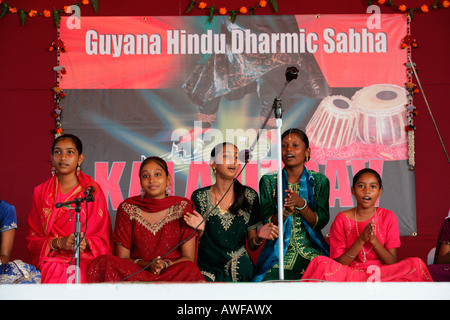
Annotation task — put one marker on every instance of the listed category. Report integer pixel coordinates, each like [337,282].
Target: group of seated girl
[158,237]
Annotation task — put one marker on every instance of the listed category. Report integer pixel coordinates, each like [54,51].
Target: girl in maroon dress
[147,230]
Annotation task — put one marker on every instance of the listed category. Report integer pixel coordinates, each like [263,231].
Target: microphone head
[244,156]
[90,189]
[291,73]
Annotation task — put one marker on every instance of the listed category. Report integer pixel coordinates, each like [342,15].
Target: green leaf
[274,4]
[94,5]
[211,14]
[56,17]
[4,9]
[233,16]
[191,6]
[22,16]
[411,13]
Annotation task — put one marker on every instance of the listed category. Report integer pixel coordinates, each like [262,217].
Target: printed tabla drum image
[333,124]
[381,114]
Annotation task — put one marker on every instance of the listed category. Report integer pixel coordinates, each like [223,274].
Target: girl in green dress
[305,212]
[232,219]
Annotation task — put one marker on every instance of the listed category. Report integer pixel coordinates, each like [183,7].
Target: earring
[307,158]
[168,191]
[54,172]
[142,193]
[78,170]
[214,170]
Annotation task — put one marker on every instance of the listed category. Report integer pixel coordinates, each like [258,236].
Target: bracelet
[58,243]
[304,206]
[350,255]
[287,213]
[257,244]
[167,263]
[51,244]
[137,260]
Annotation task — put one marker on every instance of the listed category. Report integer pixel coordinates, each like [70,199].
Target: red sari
[366,267]
[46,222]
[147,241]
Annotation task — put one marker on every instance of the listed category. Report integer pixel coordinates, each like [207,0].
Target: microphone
[291,74]
[88,197]
[90,190]
[244,155]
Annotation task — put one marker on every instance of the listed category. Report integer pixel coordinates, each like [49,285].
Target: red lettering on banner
[110,182]
[336,172]
[135,182]
[198,172]
[312,165]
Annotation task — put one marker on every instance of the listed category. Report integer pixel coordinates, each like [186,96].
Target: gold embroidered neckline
[173,213]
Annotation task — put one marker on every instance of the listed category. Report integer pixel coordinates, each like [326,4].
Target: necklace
[217,202]
[357,232]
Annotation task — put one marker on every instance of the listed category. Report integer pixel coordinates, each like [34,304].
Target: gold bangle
[287,213]
[51,244]
[257,244]
[58,244]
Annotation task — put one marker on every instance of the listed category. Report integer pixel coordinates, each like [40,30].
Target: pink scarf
[46,222]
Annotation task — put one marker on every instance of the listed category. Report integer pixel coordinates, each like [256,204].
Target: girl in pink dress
[364,242]
[51,237]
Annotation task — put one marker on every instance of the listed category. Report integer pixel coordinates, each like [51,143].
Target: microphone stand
[291,74]
[88,198]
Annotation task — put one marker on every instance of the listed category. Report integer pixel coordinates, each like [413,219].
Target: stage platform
[286,290]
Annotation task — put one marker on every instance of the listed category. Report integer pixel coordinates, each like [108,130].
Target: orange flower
[202,5]
[47,14]
[67,9]
[263,3]
[402,7]
[446,3]
[424,8]
[32,13]
[381,1]
[243,10]
[223,10]
[85,2]
[12,10]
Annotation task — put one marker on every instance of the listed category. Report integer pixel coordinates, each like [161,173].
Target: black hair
[76,141]
[301,134]
[158,160]
[367,170]
[240,200]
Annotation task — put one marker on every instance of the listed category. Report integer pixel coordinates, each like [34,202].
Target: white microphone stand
[291,74]
[88,198]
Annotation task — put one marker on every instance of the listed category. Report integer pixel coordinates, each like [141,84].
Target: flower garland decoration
[57,46]
[232,13]
[23,15]
[408,43]
[425,8]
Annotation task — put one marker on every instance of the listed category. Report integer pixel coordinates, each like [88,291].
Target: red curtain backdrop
[27,102]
